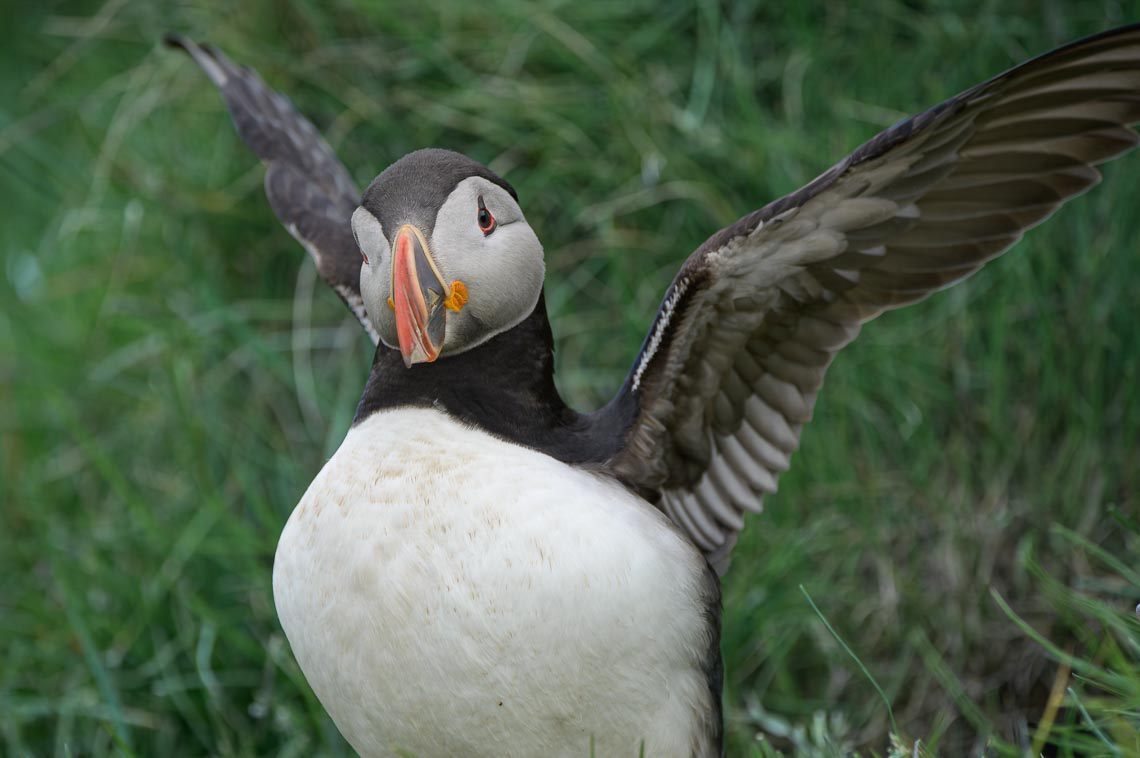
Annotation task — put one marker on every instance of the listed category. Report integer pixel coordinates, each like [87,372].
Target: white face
[502,270]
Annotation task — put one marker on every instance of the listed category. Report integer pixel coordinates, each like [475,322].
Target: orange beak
[418,297]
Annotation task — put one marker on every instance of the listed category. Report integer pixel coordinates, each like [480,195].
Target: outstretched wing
[730,370]
[310,190]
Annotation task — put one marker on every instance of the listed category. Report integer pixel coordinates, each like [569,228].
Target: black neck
[505,386]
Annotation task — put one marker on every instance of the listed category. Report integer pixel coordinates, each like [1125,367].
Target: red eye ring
[484,218]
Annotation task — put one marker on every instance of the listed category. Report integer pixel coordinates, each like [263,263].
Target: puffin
[482,570]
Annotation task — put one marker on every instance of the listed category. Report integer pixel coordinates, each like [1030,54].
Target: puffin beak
[418,295]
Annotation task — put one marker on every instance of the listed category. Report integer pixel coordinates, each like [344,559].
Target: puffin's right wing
[729,372]
[310,190]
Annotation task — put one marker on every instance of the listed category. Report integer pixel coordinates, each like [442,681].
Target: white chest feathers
[450,594]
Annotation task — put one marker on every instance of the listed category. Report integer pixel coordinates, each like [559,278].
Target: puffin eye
[486,220]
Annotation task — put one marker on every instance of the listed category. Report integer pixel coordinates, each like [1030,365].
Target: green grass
[963,510]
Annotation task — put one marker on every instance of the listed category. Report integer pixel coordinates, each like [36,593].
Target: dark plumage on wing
[310,190]
[731,368]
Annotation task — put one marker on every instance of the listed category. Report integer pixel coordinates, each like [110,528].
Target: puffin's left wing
[730,370]
[310,190]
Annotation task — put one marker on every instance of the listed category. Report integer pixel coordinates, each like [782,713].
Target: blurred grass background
[963,510]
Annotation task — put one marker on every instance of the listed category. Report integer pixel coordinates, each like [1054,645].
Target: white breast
[449,593]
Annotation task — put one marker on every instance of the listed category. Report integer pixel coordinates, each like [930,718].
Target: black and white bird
[481,570]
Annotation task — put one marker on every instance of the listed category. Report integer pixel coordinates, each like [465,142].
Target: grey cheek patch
[376,275]
[369,234]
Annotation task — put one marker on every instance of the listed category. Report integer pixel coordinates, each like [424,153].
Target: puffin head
[449,260]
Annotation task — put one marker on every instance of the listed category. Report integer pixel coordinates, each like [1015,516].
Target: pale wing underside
[310,190]
[730,371]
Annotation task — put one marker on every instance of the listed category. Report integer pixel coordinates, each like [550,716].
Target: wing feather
[739,351]
[310,190]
